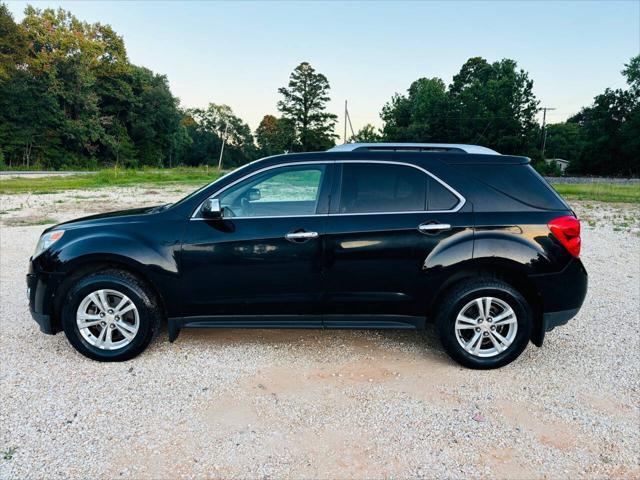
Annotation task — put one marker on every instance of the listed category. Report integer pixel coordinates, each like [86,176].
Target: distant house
[562,163]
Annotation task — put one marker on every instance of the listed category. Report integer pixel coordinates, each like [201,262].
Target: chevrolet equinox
[385,236]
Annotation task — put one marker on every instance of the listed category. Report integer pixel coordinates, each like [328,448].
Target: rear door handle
[434,227]
[298,236]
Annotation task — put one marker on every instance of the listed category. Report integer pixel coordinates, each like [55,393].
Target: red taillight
[567,230]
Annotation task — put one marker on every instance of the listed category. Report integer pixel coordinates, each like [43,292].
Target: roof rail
[413,147]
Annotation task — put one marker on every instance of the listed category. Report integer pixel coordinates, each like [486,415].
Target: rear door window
[382,187]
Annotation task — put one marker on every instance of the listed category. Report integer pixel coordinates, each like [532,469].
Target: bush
[551,169]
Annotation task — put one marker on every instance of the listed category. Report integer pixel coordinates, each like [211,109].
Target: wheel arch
[96,263]
[506,270]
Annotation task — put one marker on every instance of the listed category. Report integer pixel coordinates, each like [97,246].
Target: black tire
[149,313]
[459,297]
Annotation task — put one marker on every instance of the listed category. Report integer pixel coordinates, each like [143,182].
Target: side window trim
[331,187]
[323,188]
[335,198]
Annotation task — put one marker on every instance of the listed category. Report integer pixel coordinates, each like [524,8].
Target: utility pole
[544,142]
[224,140]
[543,132]
[346,113]
[347,119]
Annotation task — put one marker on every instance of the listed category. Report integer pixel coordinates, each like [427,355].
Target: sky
[240,53]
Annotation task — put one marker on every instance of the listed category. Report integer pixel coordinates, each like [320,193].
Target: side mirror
[211,209]
[254,194]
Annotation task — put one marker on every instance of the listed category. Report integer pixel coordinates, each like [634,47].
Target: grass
[30,221]
[109,178]
[9,453]
[600,192]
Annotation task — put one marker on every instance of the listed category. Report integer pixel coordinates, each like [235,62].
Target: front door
[386,221]
[263,258]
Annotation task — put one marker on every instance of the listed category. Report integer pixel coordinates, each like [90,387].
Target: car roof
[419,158]
[420,147]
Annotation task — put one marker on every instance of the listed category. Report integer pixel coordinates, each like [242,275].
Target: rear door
[386,220]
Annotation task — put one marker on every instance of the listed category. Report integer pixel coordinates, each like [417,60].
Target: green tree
[218,122]
[420,116]
[205,145]
[490,104]
[154,117]
[367,134]
[30,119]
[611,127]
[13,44]
[73,98]
[493,105]
[60,120]
[275,136]
[564,140]
[304,103]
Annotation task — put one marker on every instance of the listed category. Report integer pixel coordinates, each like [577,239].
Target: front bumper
[41,288]
[44,322]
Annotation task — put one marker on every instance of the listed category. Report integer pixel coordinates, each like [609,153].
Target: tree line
[493,104]
[70,98]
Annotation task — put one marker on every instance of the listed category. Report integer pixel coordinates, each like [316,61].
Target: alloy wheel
[486,327]
[108,319]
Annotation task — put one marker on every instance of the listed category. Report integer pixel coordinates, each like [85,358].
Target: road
[6,174]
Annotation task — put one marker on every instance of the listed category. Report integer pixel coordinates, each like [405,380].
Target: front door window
[284,191]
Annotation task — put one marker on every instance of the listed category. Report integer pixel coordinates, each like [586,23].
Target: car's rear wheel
[110,316]
[484,323]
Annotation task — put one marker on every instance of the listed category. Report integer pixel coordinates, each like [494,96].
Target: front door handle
[434,227]
[300,236]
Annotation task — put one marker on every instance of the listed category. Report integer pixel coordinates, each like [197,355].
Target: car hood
[106,218]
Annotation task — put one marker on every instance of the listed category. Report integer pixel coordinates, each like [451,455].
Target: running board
[398,322]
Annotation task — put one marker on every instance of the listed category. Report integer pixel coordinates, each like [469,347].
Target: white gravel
[321,404]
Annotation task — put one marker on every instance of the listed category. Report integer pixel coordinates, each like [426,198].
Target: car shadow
[415,341]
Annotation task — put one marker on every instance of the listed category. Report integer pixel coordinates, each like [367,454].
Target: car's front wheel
[110,316]
[484,323]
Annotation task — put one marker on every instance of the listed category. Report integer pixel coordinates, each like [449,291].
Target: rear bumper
[552,320]
[561,295]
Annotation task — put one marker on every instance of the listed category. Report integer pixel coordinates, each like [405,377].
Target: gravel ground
[321,404]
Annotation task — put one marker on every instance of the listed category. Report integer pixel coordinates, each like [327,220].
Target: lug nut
[112,326]
[489,319]
[103,323]
[477,329]
[102,314]
[492,327]
[117,317]
[485,334]
[480,321]
[110,311]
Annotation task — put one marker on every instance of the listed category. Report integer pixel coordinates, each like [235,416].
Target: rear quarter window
[521,183]
[439,197]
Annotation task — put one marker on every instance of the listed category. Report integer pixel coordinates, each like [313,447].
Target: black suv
[361,236]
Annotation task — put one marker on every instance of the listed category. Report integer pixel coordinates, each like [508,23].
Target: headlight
[46,240]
